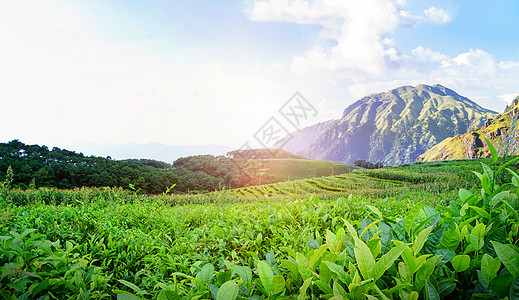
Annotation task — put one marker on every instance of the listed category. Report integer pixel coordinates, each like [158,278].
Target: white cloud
[437,15]
[428,55]
[508,98]
[432,15]
[473,73]
[359,29]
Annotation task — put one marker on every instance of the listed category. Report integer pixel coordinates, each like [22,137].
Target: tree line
[38,166]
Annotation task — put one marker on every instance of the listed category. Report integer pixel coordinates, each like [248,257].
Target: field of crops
[407,232]
[437,178]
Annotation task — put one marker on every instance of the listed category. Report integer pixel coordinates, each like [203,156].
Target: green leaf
[375,246]
[206,273]
[499,197]
[476,236]
[507,164]
[369,226]
[508,256]
[430,292]
[318,254]
[451,239]
[130,285]
[386,261]
[420,239]
[278,284]
[405,272]
[265,275]
[303,266]
[485,184]
[489,267]
[464,194]
[244,272]
[444,256]
[127,297]
[493,150]
[303,288]
[325,287]
[501,285]
[213,289]
[411,216]
[338,270]
[38,287]
[409,259]
[350,228]
[445,288]
[364,258]
[376,211]
[424,273]
[292,267]
[463,209]
[490,176]
[228,291]
[481,212]
[289,251]
[433,241]
[460,262]
[325,273]
[514,289]
[413,296]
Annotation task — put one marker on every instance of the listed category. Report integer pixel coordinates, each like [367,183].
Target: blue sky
[198,72]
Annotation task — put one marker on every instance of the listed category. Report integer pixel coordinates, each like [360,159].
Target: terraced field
[437,177]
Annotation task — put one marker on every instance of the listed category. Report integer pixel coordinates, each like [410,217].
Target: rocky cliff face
[397,126]
[472,144]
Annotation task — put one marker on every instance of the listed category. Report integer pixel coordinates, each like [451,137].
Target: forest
[38,166]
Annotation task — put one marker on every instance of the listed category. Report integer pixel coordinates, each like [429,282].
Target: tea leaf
[460,262]
[277,284]
[364,259]
[508,256]
[386,261]
[430,292]
[228,291]
[265,275]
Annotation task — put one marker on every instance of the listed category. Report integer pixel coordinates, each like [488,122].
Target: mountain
[304,138]
[472,144]
[394,127]
[150,150]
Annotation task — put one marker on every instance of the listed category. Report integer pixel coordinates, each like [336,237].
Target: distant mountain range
[150,150]
[472,144]
[394,127]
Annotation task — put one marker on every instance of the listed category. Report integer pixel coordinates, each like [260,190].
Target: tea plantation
[421,231]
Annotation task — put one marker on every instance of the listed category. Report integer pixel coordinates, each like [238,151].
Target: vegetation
[367,164]
[434,180]
[501,130]
[38,166]
[263,154]
[107,243]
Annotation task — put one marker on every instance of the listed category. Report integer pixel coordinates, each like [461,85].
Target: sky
[200,72]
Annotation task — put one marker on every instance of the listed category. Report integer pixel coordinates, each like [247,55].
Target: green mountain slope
[472,144]
[397,126]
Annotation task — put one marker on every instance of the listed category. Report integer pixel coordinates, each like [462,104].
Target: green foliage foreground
[107,244]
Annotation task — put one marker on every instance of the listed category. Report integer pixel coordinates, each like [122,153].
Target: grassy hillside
[472,144]
[278,170]
[438,177]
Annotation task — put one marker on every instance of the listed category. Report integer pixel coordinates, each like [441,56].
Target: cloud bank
[363,53]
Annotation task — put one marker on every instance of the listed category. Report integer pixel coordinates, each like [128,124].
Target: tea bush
[416,242]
